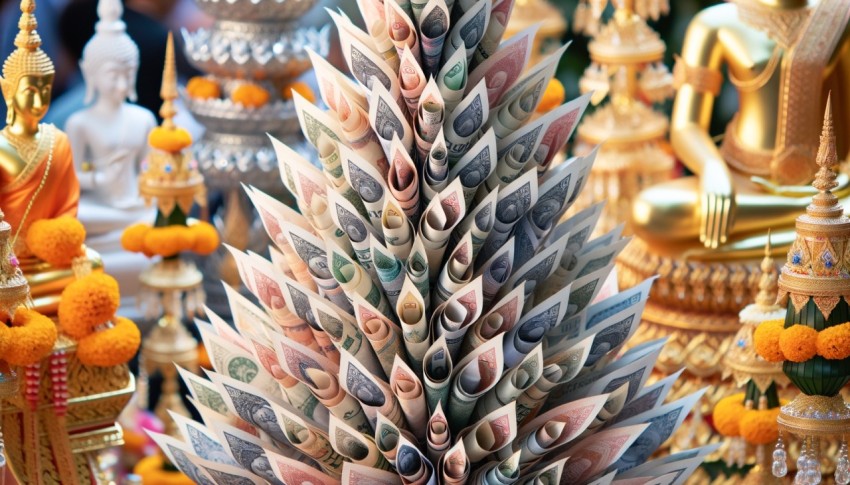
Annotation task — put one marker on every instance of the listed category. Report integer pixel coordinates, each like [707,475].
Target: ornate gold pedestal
[97,397]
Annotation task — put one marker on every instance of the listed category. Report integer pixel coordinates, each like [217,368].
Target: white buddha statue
[109,139]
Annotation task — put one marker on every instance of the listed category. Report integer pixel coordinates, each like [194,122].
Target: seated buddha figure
[109,141]
[783,57]
[37,177]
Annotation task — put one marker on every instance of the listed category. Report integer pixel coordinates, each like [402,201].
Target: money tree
[427,315]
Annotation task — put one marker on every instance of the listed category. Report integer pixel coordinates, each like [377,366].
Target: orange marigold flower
[57,241]
[87,303]
[152,471]
[834,342]
[206,238]
[250,95]
[552,97]
[169,140]
[299,87]
[727,414]
[110,347]
[798,343]
[766,340]
[184,236]
[30,338]
[200,87]
[133,238]
[162,241]
[758,426]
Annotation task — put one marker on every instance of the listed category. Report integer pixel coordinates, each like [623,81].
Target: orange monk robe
[60,195]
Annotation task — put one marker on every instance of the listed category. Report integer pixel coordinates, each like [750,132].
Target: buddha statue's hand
[801,190]
[717,204]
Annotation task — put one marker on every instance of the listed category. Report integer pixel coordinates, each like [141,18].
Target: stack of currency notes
[427,314]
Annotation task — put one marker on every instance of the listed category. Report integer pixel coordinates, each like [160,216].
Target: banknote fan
[427,316]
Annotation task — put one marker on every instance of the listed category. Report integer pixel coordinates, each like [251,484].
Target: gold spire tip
[168,91]
[825,203]
[767,283]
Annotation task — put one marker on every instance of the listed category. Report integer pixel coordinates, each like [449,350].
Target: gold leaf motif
[826,304]
[799,301]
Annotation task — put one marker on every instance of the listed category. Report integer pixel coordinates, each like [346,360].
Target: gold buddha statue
[37,177]
[704,235]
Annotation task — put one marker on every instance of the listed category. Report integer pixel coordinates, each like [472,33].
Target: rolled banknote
[401,29]
[201,441]
[418,270]
[273,221]
[289,470]
[376,26]
[414,467]
[397,229]
[354,474]
[325,386]
[332,81]
[456,273]
[559,125]
[514,201]
[355,446]
[249,452]
[496,271]
[598,451]
[178,454]
[539,268]
[499,15]
[452,79]
[315,122]
[355,280]
[383,334]
[438,221]
[342,329]
[454,466]
[224,330]
[356,130]
[224,474]
[469,29]
[550,473]
[473,376]
[391,272]
[490,434]
[438,434]
[615,403]
[429,118]
[466,121]
[410,309]
[453,318]
[386,438]
[435,175]
[298,301]
[387,120]
[513,383]
[476,165]
[412,80]
[312,252]
[373,393]
[411,397]
[479,222]
[347,218]
[532,327]
[501,317]
[367,66]
[499,472]
[403,180]
[504,68]
[433,28]
[437,371]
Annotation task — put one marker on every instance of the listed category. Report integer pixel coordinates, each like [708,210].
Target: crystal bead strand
[842,466]
[780,459]
[813,471]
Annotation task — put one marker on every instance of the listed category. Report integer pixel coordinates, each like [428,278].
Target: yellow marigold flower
[758,426]
[200,87]
[162,241]
[250,95]
[110,347]
[727,414]
[798,343]
[834,342]
[766,340]
[30,338]
[87,303]
[152,471]
[299,87]
[57,241]
[184,236]
[169,140]
[133,238]
[206,238]
[552,97]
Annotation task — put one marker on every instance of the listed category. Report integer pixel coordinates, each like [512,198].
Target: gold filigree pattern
[700,79]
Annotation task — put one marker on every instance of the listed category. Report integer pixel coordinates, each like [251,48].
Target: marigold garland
[169,140]
[133,238]
[152,471]
[301,88]
[727,415]
[766,340]
[798,343]
[250,95]
[113,346]
[834,342]
[56,241]
[206,238]
[87,303]
[759,427]
[552,97]
[163,241]
[30,338]
[200,87]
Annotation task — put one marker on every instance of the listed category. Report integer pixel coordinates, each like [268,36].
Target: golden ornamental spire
[168,92]
[825,203]
[766,298]
[27,59]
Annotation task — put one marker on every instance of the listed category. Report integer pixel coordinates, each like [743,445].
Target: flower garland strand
[799,343]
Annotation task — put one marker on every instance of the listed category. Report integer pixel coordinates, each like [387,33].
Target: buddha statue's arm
[89,174]
[699,79]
